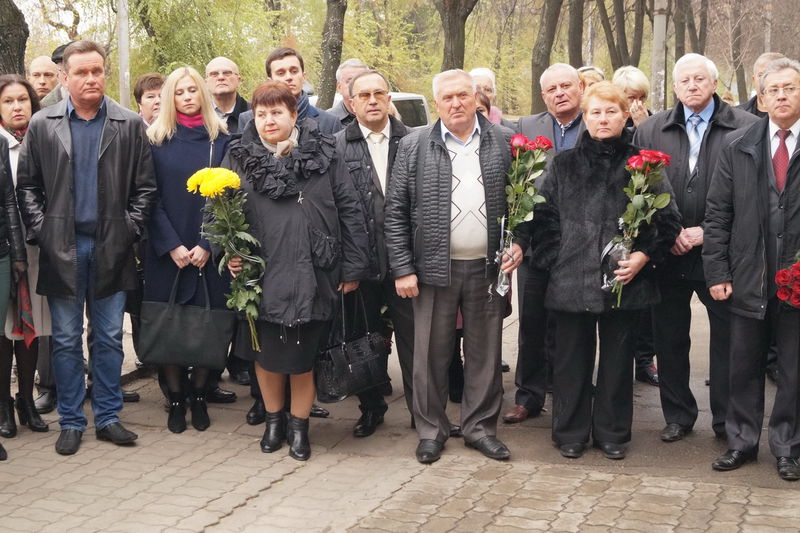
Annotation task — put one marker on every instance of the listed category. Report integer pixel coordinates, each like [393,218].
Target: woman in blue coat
[186,136]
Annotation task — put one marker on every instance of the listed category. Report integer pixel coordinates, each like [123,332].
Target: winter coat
[232,120]
[351,144]
[666,131]
[177,219]
[307,216]
[737,220]
[126,190]
[751,106]
[11,239]
[584,200]
[417,228]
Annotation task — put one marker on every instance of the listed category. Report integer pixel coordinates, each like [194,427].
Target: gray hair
[559,66]
[484,73]
[776,66]
[691,58]
[765,59]
[592,68]
[349,63]
[450,74]
[630,77]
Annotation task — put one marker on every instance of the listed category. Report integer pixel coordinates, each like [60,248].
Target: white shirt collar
[365,131]
[446,132]
[773,129]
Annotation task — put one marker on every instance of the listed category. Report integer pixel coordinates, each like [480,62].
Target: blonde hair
[606,91]
[630,77]
[166,124]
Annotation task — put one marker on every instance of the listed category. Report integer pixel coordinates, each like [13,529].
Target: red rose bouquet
[530,158]
[788,281]
[646,171]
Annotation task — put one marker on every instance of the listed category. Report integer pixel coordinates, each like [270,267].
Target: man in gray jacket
[446,196]
[85,186]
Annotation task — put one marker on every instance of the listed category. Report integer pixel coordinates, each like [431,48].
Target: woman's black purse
[185,335]
[351,365]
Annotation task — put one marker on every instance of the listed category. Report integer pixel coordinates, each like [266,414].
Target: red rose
[795,270]
[794,299]
[795,285]
[655,157]
[784,293]
[518,141]
[783,277]
[636,162]
[543,143]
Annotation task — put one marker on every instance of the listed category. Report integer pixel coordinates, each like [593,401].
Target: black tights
[26,366]
[174,375]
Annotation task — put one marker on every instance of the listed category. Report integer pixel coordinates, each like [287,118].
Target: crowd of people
[351,204]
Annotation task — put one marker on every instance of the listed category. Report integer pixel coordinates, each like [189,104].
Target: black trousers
[605,410]
[535,337]
[750,343]
[671,321]
[645,346]
[378,294]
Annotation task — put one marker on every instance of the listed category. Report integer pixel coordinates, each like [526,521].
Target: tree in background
[454,14]
[541,50]
[13,38]
[332,40]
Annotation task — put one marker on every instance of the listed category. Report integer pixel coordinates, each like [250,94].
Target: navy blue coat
[177,219]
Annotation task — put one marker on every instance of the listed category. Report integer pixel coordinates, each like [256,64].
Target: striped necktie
[695,140]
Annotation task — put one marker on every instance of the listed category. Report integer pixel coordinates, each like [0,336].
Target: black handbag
[352,365]
[185,335]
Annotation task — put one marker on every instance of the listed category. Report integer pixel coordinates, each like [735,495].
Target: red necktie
[780,161]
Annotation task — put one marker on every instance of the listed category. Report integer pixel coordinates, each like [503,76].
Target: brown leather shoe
[517,414]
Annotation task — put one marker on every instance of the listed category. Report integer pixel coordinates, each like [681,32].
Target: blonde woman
[186,136]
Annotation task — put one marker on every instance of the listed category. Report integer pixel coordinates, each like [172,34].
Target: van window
[412,112]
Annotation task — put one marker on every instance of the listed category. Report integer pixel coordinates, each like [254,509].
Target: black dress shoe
[297,438]
[505,367]
[367,424]
[648,374]
[217,395]
[733,459]
[28,415]
[491,447]
[429,451]
[242,377]
[572,450]
[257,413]
[8,424]
[45,402]
[68,441]
[772,372]
[673,432]
[612,450]
[788,468]
[3,454]
[455,431]
[274,433]
[116,433]
[319,412]
[129,396]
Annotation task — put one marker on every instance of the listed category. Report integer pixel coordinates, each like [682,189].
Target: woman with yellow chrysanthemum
[186,137]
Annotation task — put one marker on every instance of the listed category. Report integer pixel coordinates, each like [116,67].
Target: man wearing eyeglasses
[369,145]
[752,230]
[692,133]
[223,80]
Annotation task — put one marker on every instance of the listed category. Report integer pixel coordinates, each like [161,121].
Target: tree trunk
[659,54]
[540,59]
[679,20]
[605,22]
[13,38]
[576,9]
[697,29]
[454,15]
[638,33]
[736,50]
[332,37]
[622,39]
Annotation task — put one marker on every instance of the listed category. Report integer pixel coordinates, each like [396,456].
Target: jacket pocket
[325,250]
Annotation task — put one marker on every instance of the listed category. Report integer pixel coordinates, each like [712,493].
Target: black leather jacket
[126,190]
[11,240]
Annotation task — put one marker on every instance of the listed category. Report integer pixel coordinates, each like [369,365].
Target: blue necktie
[695,140]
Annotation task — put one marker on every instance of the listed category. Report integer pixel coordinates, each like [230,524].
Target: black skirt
[284,350]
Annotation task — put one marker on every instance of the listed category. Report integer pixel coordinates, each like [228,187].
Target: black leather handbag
[185,335]
[352,364]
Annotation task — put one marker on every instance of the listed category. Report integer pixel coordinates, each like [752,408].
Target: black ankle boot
[200,420]
[8,426]
[275,432]
[3,454]
[297,438]
[28,416]
[176,421]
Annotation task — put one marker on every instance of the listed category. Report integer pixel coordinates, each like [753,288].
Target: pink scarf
[190,121]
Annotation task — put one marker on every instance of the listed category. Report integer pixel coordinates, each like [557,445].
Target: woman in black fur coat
[584,201]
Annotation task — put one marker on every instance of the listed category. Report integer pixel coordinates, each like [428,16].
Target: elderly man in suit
[562,123]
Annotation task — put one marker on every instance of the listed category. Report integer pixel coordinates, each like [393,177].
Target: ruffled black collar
[280,177]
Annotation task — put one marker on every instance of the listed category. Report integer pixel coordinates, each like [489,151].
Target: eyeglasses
[365,96]
[224,74]
[787,91]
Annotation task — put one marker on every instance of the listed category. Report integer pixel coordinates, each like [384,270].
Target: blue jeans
[106,316]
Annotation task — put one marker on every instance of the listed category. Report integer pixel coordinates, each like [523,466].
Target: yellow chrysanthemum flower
[212,182]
